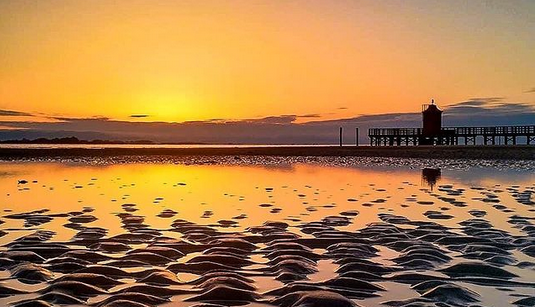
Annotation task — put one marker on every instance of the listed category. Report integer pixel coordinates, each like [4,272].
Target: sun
[167,107]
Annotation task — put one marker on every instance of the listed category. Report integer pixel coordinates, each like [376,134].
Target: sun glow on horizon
[202,60]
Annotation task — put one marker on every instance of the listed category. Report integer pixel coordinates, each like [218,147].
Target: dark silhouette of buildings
[432,133]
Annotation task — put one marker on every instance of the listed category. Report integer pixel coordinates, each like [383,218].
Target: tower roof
[431,108]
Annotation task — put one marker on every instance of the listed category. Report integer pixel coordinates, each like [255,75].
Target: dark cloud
[489,106]
[280,119]
[314,115]
[14,113]
[342,108]
[395,117]
[474,102]
[139,115]
[489,99]
[80,119]
[531,90]
[489,112]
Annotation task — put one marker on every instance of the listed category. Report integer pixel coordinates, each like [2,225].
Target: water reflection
[430,177]
[168,202]
[291,192]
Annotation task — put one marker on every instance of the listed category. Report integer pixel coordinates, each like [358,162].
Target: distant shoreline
[519,152]
[76,141]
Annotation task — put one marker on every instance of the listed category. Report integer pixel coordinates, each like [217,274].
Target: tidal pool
[284,233]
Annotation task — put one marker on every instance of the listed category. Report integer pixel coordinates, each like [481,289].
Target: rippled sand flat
[267,232]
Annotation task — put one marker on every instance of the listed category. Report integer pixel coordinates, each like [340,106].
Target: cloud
[489,112]
[531,90]
[14,113]
[279,119]
[490,106]
[473,102]
[314,115]
[74,119]
[139,115]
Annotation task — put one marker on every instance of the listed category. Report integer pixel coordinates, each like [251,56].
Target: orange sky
[195,60]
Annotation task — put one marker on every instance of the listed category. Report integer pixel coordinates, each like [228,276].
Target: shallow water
[230,198]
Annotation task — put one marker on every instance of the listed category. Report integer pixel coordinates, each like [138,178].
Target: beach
[266,231]
[518,152]
[267,153]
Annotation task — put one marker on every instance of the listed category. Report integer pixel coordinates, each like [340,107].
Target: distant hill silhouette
[75,140]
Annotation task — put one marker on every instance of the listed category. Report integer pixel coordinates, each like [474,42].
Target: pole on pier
[356,136]
[340,136]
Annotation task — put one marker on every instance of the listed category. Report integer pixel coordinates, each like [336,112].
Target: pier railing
[394,131]
[508,135]
[498,130]
[460,131]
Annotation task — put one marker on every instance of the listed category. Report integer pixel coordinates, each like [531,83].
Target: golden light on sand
[94,209]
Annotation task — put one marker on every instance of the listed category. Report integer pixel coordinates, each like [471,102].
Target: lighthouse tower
[432,120]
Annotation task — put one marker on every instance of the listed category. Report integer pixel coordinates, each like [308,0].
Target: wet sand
[281,234]
[523,152]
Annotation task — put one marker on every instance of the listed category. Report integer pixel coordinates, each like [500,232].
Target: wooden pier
[499,135]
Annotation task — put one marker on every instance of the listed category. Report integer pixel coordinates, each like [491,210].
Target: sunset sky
[199,60]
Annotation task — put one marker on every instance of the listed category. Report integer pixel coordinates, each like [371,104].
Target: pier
[498,135]
[433,133]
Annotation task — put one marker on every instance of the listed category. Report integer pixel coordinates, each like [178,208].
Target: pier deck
[498,135]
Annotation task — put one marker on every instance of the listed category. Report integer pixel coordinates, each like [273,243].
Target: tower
[432,119]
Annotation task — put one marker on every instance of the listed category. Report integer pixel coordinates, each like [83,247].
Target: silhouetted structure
[432,133]
[432,123]
[341,139]
[430,177]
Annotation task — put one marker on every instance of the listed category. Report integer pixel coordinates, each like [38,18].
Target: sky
[205,61]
